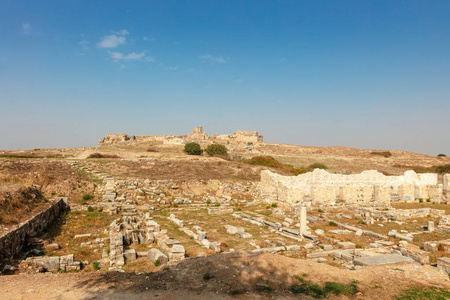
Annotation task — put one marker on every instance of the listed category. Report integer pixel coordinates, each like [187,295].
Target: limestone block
[215,246]
[382,193]
[154,255]
[109,197]
[346,245]
[54,246]
[82,235]
[149,238]
[444,264]
[50,263]
[293,248]
[206,243]
[407,192]
[130,254]
[244,235]
[430,226]
[381,260]
[66,259]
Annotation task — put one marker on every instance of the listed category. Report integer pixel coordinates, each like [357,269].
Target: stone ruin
[197,135]
[118,138]
[322,187]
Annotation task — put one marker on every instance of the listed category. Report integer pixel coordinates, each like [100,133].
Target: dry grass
[216,231]
[55,178]
[416,205]
[18,203]
[180,169]
[64,229]
[141,265]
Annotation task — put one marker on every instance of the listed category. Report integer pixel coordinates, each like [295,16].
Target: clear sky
[365,74]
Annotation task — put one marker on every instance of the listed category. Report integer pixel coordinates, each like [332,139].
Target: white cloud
[147,39]
[26,28]
[111,41]
[84,45]
[172,68]
[122,32]
[118,56]
[213,59]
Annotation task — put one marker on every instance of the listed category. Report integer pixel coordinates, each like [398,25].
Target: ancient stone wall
[12,242]
[323,187]
[447,182]
[197,135]
[117,138]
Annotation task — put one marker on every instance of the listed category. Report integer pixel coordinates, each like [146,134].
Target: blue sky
[366,74]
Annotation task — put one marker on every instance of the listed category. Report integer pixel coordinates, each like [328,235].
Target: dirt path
[238,275]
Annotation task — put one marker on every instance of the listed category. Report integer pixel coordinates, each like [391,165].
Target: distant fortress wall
[197,135]
[320,186]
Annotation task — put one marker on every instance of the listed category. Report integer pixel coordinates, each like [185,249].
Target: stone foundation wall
[322,187]
[12,242]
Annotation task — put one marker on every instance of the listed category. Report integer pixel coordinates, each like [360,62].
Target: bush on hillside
[317,166]
[443,169]
[216,149]
[102,155]
[441,155]
[382,153]
[266,161]
[193,149]
[269,161]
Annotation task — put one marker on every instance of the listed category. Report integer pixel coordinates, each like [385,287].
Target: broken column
[430,226]
[302,220]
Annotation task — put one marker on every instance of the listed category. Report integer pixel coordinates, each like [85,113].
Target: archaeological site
[142,216]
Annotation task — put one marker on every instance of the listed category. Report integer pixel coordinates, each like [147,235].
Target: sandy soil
[236,275]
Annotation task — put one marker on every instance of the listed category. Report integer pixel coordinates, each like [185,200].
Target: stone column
[302,220]
[430,226]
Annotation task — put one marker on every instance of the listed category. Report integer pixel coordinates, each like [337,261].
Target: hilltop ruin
[197,135]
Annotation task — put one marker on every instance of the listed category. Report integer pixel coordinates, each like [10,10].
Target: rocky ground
[237,275]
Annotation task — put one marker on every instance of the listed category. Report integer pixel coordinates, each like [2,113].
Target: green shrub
[157,263]
[216,149]
[266,161]
[193,149]
[208,276]
[443,169]
[274,205]
[430,293]
[90,209]
[441,155]
[87,197]
[96,265]
[269,161]
[420,200]
[317,291]
[382,153]
[428,200]
[331,223]
[317,166]
[102,155]
[264,288]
